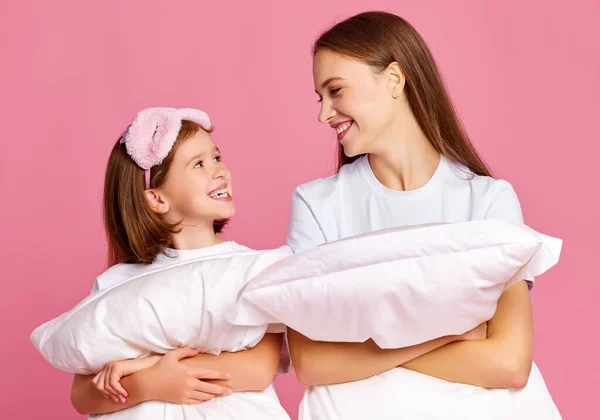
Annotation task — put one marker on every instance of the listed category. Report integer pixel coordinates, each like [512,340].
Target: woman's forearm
[483,363]
[323,363]
[503,360]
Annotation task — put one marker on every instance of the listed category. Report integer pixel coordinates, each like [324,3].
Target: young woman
[404,159]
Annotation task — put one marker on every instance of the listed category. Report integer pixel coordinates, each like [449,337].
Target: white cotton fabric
[139,309]
[404,394]
[354,202]
[399,286]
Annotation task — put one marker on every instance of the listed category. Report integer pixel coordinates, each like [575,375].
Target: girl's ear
[156,201]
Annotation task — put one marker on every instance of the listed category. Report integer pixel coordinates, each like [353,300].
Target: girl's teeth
[219,193]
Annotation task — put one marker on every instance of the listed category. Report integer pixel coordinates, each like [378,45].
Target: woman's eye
[198,165]
[332,92]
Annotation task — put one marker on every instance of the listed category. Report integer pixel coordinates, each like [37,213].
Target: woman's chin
[351,151]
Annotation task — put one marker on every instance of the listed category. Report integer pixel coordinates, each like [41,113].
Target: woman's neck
[404,159]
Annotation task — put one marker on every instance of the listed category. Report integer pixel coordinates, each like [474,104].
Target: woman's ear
[395,79]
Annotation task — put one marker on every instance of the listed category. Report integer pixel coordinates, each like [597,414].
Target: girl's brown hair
[135,233]
[379,39]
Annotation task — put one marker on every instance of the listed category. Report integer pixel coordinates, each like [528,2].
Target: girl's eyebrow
[199,155]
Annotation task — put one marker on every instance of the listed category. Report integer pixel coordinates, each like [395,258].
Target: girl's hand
[107,381]
[171,381]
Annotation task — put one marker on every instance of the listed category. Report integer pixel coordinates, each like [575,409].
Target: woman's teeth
[222,193]
[341,128]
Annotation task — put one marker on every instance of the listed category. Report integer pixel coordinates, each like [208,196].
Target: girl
[167,196]
[404,159]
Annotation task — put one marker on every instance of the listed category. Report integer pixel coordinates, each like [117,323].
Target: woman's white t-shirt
[354,202]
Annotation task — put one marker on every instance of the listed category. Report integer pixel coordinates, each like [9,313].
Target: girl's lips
[220,187]
[221,193]
[225,198]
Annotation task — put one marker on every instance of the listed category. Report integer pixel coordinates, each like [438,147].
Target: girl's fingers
[114,381]
[213,389]
[100,383]
[201,396]
[200,373]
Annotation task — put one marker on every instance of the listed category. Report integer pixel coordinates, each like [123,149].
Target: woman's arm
[324,363]
[503,360]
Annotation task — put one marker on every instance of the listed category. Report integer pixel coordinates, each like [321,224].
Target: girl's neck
[195,237]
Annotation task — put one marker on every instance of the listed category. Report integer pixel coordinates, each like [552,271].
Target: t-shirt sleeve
[266,259]
[285,361]
[504,204]
[303,231]
[95,287]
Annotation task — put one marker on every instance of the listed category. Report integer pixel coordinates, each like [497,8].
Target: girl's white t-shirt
[241,405]
[119,272]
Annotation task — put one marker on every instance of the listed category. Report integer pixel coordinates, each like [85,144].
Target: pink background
[524,76]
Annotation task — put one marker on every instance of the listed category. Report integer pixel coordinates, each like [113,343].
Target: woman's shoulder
[321,189]
[481,185]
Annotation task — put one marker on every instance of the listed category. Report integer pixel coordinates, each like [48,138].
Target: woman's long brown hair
[379,39]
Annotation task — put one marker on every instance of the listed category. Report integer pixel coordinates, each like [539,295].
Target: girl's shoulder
[256,260]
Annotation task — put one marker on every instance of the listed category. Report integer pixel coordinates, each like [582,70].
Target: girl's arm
[168,380]
[185,377]
[87,400]
[324,363]
[251,370]
[502,360]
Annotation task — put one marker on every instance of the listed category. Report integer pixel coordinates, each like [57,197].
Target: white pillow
[405,394]
[400,286]
[169,307]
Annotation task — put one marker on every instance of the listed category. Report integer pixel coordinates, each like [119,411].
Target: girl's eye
[199,164]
